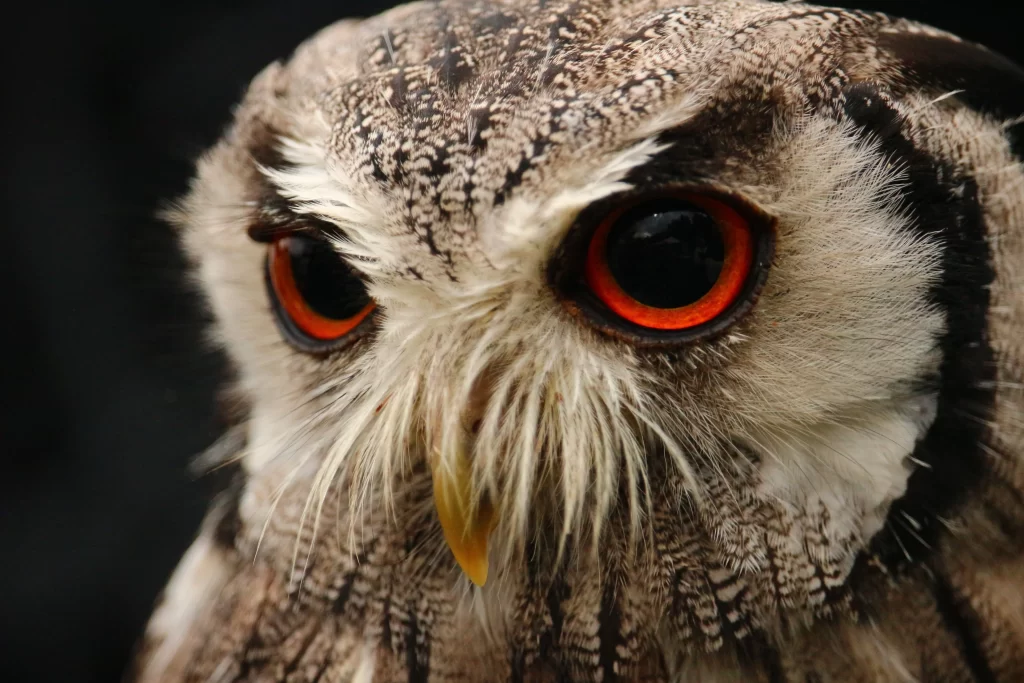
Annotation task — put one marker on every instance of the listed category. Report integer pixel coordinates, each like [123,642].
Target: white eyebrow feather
[318,188]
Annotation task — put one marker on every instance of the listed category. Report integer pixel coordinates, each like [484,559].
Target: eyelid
[265,233]
[276,218]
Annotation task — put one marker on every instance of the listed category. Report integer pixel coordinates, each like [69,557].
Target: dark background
[106,390]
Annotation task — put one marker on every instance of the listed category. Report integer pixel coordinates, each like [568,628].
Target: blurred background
[106,388]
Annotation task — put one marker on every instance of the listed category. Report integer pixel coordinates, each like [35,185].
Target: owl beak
[466,527]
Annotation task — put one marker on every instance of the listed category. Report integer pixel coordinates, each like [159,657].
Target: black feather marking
[758,654]
[417,657]
[558,593]
[451,65]
[307,642]
[347,581]
[960,624]
[989,82]
[609,632]
[946,208]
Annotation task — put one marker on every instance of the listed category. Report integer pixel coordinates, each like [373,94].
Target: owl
[640,341]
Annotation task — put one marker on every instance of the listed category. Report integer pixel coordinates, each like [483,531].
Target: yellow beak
[466,529]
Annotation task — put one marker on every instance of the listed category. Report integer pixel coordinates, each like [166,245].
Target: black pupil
[326,283]
[665,253]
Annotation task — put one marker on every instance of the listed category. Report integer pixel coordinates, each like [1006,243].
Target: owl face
[571,260]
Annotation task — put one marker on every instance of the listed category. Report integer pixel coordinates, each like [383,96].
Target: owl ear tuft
[987,81]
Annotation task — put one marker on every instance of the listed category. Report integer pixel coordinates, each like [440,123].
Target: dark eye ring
[319,301]
[669,267]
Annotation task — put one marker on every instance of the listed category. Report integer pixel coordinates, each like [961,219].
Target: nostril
[476,427]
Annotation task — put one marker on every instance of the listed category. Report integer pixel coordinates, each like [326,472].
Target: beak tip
[472,560]
[478,575]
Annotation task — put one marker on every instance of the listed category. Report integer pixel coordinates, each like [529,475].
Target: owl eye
[318,299]
[674,267]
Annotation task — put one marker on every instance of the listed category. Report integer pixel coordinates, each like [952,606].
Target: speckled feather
[437,126]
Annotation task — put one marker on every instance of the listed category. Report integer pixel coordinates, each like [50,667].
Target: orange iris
[311,323]
[738,243]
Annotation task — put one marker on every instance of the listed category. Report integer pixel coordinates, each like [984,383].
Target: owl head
[535,270]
